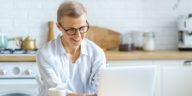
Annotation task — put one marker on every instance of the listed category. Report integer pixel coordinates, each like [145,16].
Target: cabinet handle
[188,62]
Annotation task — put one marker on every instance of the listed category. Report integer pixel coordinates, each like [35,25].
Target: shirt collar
[83,47]
[63,51]
[60,46]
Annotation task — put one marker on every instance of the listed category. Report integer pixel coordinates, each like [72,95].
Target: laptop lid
[127,81]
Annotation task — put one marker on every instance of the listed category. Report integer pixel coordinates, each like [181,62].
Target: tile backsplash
[30,17]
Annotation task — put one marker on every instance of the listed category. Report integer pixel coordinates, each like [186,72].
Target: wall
[30,17]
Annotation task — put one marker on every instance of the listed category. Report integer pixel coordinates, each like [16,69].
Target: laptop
[127,81]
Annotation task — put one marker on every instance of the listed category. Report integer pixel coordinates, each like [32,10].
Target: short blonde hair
[70,8]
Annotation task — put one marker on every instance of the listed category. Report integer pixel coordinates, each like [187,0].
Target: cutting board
[107,39]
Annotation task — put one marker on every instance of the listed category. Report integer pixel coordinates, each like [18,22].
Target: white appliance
[185,33]
[18,79]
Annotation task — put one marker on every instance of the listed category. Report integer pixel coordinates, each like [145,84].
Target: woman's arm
[98,62]
[48,73]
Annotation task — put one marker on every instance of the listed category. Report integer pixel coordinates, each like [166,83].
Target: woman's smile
[76,39]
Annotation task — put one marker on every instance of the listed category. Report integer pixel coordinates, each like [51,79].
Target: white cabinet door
[176,78]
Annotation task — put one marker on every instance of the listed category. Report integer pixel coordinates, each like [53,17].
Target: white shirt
[56,71]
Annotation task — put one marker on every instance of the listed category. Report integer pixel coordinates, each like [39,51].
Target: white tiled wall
[30,17]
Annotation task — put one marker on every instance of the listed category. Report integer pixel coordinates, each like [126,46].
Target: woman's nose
[77,33]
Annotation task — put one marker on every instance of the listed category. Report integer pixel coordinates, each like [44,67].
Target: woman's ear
[59,26]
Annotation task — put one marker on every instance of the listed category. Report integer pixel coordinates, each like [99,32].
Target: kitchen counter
[17,58]
[116,55]
[143,55]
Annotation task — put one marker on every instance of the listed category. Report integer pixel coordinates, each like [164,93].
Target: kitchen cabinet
[174,77]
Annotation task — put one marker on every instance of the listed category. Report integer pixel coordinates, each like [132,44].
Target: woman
[71,61]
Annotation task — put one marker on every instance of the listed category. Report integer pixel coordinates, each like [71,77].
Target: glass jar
[149,41]
[138,40]
[126,43]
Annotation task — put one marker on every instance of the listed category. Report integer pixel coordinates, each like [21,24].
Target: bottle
[50,32]
[149,41]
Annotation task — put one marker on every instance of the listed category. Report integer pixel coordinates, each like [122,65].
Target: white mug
[56,92]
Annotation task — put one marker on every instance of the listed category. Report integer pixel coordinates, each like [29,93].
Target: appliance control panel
[18,70]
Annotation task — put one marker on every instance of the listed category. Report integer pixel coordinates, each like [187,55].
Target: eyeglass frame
[76,29]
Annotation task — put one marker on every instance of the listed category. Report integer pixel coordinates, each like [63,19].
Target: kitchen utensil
[50,32]
[107,39]
[27,44]
[3,41]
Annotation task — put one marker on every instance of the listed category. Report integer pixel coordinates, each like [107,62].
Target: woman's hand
[76,94]
[79,94]
[91,95]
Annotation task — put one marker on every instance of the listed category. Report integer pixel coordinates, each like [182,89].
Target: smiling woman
[71,62]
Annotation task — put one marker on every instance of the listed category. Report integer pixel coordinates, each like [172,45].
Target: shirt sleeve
[98,62]
[49,73]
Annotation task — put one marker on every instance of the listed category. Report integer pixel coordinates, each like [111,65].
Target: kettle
[27,44]
[3,41]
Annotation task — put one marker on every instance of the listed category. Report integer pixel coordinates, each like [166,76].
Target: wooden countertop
[116,55]
[143,55]
[17,58]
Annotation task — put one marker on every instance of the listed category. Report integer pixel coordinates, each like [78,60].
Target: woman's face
[73,29]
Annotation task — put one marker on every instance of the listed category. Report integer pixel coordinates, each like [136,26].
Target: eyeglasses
[73,31]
